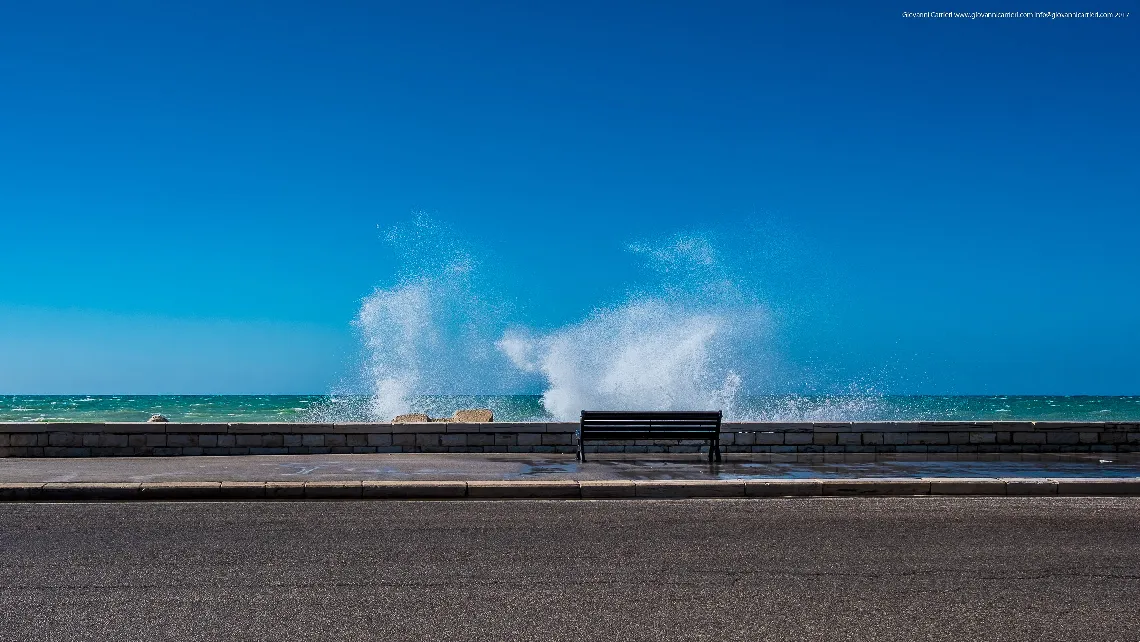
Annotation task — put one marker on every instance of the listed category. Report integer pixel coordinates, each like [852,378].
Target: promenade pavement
[529,467]
[783,569]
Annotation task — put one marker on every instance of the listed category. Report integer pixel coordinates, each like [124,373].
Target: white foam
[684,344]
[433,332]
[646,354]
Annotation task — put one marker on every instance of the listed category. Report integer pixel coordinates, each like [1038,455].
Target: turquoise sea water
[302,408]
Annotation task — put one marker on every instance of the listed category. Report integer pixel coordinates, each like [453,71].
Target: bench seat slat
[628,424]
[648,435]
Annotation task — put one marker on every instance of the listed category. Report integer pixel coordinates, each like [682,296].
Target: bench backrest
[632,424]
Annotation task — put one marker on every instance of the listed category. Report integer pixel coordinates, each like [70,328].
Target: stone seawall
[36,439]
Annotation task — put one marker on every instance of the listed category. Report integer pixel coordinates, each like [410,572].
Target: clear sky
[191,193]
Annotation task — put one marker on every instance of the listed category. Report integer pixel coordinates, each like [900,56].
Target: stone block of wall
[529,439]
[380,439]
[927,438]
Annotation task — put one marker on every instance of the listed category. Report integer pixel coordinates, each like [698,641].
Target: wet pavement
[472,467]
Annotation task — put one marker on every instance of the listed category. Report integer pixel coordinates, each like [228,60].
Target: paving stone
[783,487]
[607,489]
[860,487]
[565,489]
[333,490]
[676,488]
[20,492]
[1015,486]
[242,490]
[966,486]
[414,489]
[89,491]
[180,490]
[285,490]
[1089,487]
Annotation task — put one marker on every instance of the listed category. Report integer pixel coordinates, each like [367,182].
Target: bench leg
[714,449]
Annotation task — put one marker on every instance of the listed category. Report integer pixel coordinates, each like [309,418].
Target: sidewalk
[455,476]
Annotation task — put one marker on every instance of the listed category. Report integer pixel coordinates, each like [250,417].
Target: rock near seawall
[471,416]
[474,416]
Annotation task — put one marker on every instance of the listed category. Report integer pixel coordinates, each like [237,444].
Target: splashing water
[697,336]
[432,333]
[682,346]
[645,354]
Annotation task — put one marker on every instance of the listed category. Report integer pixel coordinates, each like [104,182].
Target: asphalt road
[813,569]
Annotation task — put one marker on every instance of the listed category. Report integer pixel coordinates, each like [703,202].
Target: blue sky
[191,194]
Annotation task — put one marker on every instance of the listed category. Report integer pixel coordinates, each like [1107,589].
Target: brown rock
[412,418]
[474,416]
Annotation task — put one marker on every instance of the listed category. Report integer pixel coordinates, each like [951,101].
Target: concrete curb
[569,489]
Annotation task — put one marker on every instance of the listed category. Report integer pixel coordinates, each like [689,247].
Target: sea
[737,322]
[326,408]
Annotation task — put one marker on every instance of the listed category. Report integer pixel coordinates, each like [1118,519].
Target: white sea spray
[698,333]
[430,334]
[682,344]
